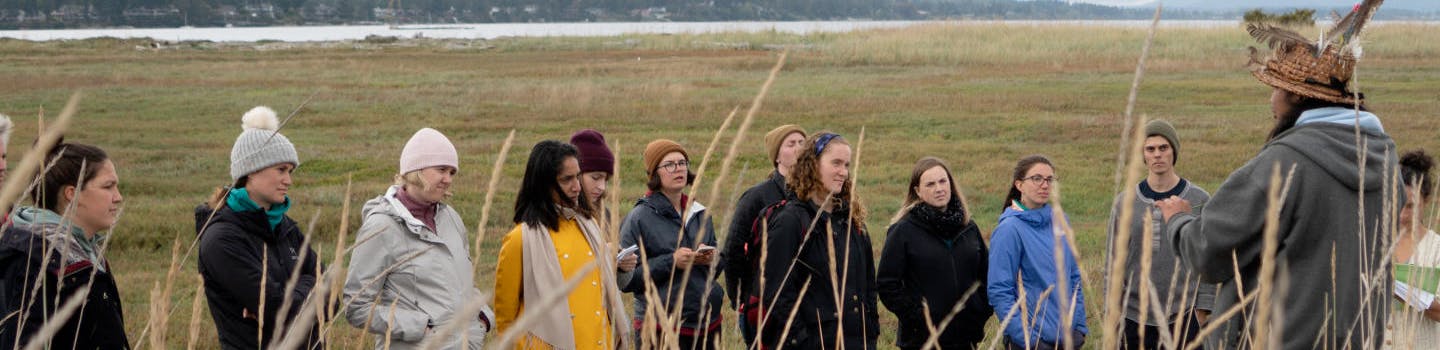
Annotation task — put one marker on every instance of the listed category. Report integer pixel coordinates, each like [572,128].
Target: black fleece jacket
[232,250]
[937,263]
[817,321]
[100,324]
[739,270]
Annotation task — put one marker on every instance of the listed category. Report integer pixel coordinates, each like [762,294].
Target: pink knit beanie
[428,148]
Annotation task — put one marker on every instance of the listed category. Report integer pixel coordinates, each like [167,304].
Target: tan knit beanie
[657,150]
[776,136]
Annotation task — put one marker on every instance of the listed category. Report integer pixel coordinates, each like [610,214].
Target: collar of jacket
[400,213]
[778,181]
[47,224]
[660,204]
[838,213]
[1037,217]
[239,201]
[929,222]
[253,222]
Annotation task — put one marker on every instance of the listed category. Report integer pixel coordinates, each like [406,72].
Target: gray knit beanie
[259,145]
[1163,128]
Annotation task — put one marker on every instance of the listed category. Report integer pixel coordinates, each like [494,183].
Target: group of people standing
[798,260]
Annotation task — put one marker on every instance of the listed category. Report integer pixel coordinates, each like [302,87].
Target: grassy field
[979,97]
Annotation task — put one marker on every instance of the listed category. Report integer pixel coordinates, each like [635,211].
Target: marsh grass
[979,96]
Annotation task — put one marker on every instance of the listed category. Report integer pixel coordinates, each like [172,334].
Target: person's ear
[68,194]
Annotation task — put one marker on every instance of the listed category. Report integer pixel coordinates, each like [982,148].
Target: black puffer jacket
[739,271]
[654,225]
[936,257]
[232,249]
[100,324]
[816,321]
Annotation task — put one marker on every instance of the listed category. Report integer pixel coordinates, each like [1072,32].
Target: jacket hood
[1038,217]
[1333,148]
[387,204]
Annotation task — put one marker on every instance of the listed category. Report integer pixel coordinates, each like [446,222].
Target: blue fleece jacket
[1023,243]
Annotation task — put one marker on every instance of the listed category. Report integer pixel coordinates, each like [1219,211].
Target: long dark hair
[68,159]
[535,204]
[1022,167]
[1415,168]
[1286,122]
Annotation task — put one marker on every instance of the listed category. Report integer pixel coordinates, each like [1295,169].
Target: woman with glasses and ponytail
[1023,256]
[816,249]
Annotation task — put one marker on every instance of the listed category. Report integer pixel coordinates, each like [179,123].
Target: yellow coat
[587,307]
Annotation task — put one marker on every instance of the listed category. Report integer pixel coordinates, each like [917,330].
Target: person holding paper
[677,253]
[1417,259]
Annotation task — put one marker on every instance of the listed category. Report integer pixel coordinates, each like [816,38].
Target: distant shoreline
[499,30]
[490,31]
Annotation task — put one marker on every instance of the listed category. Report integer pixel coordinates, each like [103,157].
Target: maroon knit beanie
[594,154]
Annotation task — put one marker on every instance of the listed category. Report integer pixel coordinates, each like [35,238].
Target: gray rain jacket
[431,277]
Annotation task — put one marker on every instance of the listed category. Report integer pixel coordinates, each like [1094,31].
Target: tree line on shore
[173,13]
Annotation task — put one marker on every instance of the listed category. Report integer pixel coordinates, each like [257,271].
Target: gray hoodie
[1323,259]
[426,274]
[1164,266]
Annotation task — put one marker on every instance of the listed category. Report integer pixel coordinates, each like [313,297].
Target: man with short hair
[782,144]
[1186,302]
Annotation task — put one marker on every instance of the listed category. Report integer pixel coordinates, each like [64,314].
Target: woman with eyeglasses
[1024,272]
[677,254]
[816,250]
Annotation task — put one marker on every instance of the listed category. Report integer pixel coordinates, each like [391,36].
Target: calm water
[495,30]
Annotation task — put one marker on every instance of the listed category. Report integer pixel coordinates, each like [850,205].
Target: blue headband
[823,141]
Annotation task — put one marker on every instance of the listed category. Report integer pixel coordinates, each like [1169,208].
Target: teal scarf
[239,201]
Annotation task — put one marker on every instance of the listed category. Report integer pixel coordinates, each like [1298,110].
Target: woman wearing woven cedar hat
[742,252]
[1331,241]
[553,243]
[677,249]
[807,266]
[412,255]
[249,248]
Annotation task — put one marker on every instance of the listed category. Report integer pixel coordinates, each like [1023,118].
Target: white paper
[627,252]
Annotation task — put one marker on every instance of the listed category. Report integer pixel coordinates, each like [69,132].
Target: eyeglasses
[674,166]
[1038,180]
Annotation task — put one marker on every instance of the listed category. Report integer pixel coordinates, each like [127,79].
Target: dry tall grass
[980,93]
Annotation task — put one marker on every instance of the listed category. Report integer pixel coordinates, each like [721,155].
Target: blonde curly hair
[804,178]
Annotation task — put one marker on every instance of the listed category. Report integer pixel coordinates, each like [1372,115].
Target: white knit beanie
[260,145]
[428,148]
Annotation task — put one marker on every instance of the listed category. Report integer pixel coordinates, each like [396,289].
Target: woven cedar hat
[1320,69]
